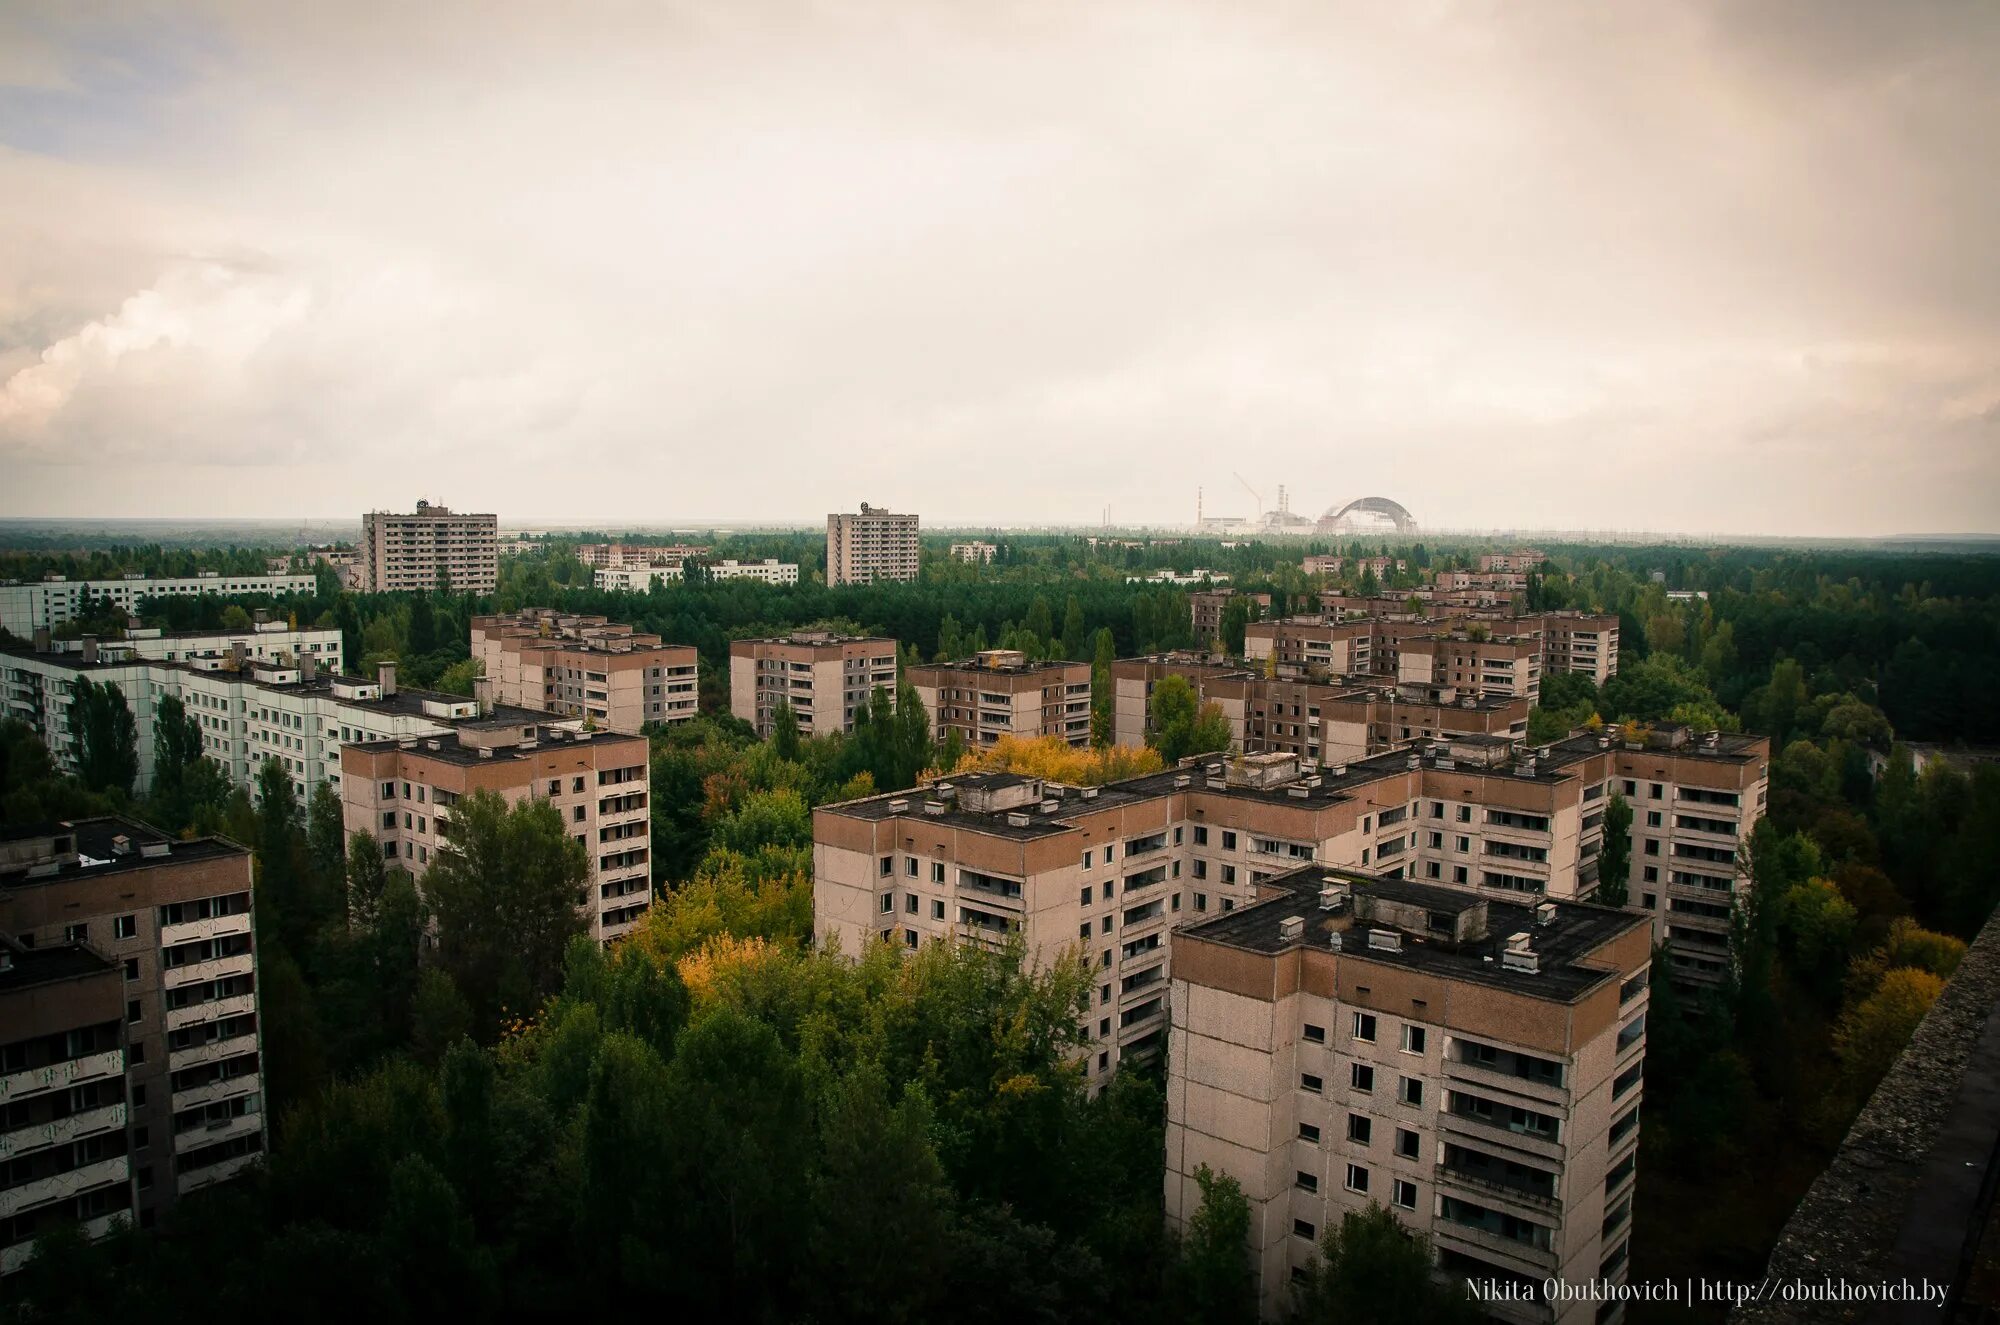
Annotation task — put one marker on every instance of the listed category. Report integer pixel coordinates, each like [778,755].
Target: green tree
[103,736]
[1102,691]
[505,883]
[1373,1271]
[1236,617]
[1212,1273]
[1075,640]
[188,787]
[235,619]
[1172,711]
[785,732]
[1614,862]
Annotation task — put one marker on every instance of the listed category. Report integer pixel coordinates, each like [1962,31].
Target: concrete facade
[874,545]
[586,667]
[823,677]
[1000,693]
[170,1095]
[403,791]
[408,552]
[1474,1066]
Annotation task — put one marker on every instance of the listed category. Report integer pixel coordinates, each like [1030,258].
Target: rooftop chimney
[385,673]
[90,648]
[482,694]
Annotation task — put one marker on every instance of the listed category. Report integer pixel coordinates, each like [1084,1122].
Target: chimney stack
[482,694]
[90,648]
[386,673]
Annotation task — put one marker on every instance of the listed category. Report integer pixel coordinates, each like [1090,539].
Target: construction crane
[1258,496]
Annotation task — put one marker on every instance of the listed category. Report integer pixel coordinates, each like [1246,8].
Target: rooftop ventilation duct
[1385,940]
[1292,928]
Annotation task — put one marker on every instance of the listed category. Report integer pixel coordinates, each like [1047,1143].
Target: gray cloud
[1712,267]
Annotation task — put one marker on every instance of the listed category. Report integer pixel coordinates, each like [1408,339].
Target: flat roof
[450,750]
[1577,931]
[97,850]
[32,967]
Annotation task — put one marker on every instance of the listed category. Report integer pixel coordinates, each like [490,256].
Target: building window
[937,871]
[910,903]
[910,866]
[132,1011]
[1361,1076]
[1364,1026]
[937,910]
[1201,869]
[1357,1178]
[886,866]
[1302,1229]
[1201,901]
[1650,874]
[131,968]
[888,902]
[1083,931]
[125,927]
[1315,1034]
[1228,841]
[1403,1195]
[1086,859]
[1305,1182]
[1104,925]
[1413,1091]
[1406,1143]
[1360,1128]
[1200,835]
[1413,1039]
[79,933]
[1307,1081]
[1083,896]
[1307,1132]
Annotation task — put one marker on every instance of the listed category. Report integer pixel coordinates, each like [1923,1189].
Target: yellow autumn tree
[1873,1032]
[1054,759]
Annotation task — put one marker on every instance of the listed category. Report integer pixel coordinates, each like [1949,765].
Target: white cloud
[722,260]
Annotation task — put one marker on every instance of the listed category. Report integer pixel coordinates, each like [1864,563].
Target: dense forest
[717,1117]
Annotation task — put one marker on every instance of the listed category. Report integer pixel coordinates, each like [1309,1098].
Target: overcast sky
[1724,267]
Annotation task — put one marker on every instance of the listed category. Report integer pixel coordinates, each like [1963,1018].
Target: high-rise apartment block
[874,545]
[824,677]
[1000,693]
[1474,1065]
[402,791]
[249,710]
[130,1044]
[984,856]
[435,544]
[50,602]
[586,667]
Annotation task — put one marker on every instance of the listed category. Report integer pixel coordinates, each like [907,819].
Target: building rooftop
[23,967]
[1438,930]
[69,849]
[816,637]
[1010,661]
[494,741]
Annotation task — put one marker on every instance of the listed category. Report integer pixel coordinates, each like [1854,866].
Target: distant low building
[768,571]
[53,601]
[1000,693]
[975,552]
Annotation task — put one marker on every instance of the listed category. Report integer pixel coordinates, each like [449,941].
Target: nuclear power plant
[1361,516]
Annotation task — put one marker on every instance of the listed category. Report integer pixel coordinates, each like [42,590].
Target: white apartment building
[974,552]
[634,579]
[48,603]
[768,571]
[874,545]
[407,552]
[287,710]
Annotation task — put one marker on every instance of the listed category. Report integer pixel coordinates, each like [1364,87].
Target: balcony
[69,1072]
[61,1186]
[214,1051]
[1499,1134]
[61,1131]
[1523,1255]
[201,972]
[209,1134]
[1546,1209]
[214,1173]
[194,931]
[1491,1078]
[216,1091]
[214,1010]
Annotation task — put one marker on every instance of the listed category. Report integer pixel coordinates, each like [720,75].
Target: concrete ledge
[1910,1193]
